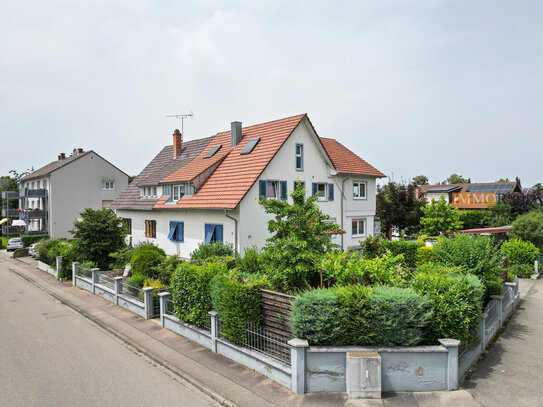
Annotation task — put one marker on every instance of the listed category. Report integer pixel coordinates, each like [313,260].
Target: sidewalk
[222,379]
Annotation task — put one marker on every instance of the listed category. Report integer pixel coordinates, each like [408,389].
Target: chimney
[62,156]
[79,151]
[59,157]
[177,143]
[235,133]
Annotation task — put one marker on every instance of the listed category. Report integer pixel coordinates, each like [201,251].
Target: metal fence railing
[132,291]
[106,280]
[507,298]
[491,312]
[156,301]
[261,340]
[170,310]
[169,307]
[83,271]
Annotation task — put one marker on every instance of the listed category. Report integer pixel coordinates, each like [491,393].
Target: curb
[172,369]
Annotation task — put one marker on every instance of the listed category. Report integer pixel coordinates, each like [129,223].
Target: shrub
[475,219]
[407,248]
[146,261]
[137,280]
[529,227]
[495,286]
[167,267]
[237,302]
[354,315]
[315,316]
[250,262]
[50,249]
[372,247]
[191,290]
[151,282]
[31,239]
[439,217]
[519,252]
[425,254]
[207,250]
[456,301]
[121,257]
[521,270]
[398,316]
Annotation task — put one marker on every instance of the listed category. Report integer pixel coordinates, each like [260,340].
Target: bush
[316,317]
[31,239]
[191,290]
[151,282]
[237,302]
[147,260]
[372,247]
[398,316]
[529,227]
[407,248]
[521,270]
[50,249]
[207,250]
[354,315]
[137,280]
[167,267]
[495,286]
[456,300]
[122,257]
[425,254]
[251,262]
[475,219]
[519,252]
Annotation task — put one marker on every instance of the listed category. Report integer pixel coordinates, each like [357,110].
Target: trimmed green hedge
[520,252]
[521,270]
[146,261]
[405,247]
[354,314]
[31,239]
[425,254]
[206,251]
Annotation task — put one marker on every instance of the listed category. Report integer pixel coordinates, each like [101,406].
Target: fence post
[148,302]
[452,362]
[118,288]
[95,277]
[498,299]
[164,296]
[59,265]
[482,331]
[298,352]
[214,330]
[75,265]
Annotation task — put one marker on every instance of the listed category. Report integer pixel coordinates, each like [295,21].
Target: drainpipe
[342,215]
[235,228]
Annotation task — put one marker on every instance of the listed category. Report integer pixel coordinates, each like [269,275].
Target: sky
[414,87]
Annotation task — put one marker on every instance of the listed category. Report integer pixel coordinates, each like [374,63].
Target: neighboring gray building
[52,197]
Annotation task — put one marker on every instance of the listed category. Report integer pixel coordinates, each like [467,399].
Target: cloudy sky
[414,87]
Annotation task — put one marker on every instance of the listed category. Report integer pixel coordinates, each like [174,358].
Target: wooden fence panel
[275,311]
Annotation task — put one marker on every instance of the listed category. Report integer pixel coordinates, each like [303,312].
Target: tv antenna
[182,117]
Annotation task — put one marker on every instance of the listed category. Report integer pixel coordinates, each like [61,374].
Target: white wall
[437,196]
[77,186]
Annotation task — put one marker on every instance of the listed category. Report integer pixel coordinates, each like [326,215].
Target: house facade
[214,184]
[52,197]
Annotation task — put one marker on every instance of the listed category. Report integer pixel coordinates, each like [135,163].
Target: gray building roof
[159,168]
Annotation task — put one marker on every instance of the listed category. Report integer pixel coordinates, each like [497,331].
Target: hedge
[206,251]
[191,290]
[522,270]
[146,261]
[237,302]
[520,252]
[354,314]
[31,239]
[405,247]
[425,254]
[456,301]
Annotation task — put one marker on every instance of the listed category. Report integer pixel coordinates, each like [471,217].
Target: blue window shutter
[283,190]
[209,229]
[173,226]
[181,232]
[262,188]
[314,189]
[330,192]
[218,233]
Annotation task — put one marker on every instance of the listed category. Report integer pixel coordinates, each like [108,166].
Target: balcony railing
[24,193]
[10,213]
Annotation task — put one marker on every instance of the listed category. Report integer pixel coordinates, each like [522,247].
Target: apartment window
[107,185]
[44,184]
[127,224]
[32,187]
[299,182]
[358,227]
[299,157]
[273,189]
[177,231]
[39,183]
[213,233]
[150,228]
[323,191]
[359,189]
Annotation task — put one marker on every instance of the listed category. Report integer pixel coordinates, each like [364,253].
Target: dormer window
[176,192]
[149,192]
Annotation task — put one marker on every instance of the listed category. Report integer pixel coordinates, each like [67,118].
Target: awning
[18,222]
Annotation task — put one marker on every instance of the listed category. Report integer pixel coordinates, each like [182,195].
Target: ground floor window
[127,223]
[177,231]
[213,233]
[358,227]
[150,228]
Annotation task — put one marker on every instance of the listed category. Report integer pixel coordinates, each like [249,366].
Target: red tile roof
[346,161]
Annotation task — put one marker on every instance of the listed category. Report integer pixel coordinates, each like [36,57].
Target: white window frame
[365,223]
[300,155]
[365,183]
[44,184]
[108,185]
[325,197]
[277,191]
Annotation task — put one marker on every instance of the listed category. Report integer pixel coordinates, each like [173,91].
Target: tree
[299,240]
[398,207]
[420,180]
[99,233]
[503,180]
[456,179]
[438,217]
[11,185]
[529,227]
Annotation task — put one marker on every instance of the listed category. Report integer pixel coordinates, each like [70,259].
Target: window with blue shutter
[213,233]
[283,190]
[330,192]
[177,231]
[314,188]
[262,189]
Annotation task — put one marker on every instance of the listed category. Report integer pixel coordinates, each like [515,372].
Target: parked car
[14,244]
[33,249]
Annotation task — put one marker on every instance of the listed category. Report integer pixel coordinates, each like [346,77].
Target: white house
[208,189]
[52,197]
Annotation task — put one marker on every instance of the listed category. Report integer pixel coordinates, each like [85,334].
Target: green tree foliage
[520,252]
[475,219]
[406,248]
[298,240]
[11,185]
[438,217]
[147,260]
[397,206]
[456,179]
[529,227]
[420,180]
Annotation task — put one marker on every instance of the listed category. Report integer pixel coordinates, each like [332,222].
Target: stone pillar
[75,265]
[298,352]
[482,332]
[536,269]
[59,265]
[148,302]
[164,296]
[118,288]
[498,301]
[214,330]
[452,362]
[95,276]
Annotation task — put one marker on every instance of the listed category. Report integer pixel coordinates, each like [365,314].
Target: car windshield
[14,240]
